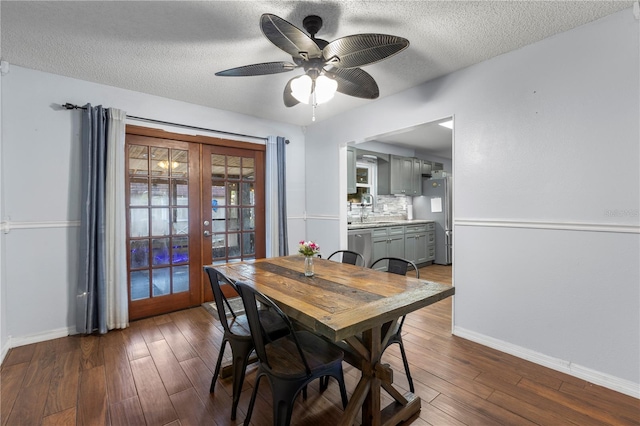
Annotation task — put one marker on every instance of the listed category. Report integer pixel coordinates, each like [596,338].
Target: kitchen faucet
[371,198]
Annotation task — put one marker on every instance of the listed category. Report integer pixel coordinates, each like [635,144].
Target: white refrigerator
[435,204]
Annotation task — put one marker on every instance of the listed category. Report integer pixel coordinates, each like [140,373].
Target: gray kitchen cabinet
[351,170]
[426,167]
[401,175]
[416,177]
[387,242]
[416,243]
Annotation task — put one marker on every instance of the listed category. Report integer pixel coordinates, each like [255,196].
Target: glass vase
[308,266]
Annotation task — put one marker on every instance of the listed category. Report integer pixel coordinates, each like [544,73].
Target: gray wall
[40,188]
[546,196]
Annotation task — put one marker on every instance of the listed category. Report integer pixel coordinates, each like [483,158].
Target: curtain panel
[102,270]
[276,197]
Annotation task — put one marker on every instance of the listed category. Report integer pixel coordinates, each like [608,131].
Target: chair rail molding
[562,226]
[7,226]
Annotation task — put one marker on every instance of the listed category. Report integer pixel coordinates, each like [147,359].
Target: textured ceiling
[173,49]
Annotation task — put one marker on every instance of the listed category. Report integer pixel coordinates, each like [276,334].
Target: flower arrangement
[308,248]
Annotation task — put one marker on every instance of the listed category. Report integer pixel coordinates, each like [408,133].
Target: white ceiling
[173,48]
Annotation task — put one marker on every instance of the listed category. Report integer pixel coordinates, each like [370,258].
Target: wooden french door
[192,201]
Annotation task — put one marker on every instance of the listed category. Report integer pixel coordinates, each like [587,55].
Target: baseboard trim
[14,342]
[592,376]
[4,350]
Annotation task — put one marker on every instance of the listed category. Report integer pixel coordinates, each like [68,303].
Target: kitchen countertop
[380,224]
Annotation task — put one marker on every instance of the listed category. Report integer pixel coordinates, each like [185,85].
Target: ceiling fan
[328,66]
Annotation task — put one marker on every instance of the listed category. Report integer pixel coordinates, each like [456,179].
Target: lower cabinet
[387,242]
[415,243]
[412,242]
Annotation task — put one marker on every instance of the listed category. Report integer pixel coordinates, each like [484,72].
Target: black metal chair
[290,363]
[238,334]
[349,256]
[401,267]
[397,265]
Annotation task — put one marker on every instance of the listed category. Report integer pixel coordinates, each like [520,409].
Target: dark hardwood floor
[158,372]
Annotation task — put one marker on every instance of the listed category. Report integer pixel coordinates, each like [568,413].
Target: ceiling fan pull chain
[314,104]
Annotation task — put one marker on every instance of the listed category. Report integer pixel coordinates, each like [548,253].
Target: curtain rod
[151,120]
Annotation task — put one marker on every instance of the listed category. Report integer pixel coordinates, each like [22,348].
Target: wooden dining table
[349,305]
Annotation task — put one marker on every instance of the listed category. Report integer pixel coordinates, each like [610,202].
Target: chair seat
[284,361]
[272,323]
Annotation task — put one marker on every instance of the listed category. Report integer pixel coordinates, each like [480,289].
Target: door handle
[207,233]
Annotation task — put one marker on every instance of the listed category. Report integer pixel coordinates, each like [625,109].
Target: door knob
[207,233]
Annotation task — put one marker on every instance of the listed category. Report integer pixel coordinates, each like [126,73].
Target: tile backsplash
[387,207]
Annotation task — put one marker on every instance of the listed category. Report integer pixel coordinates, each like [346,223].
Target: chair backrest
[398,265]
[222,304]
[250,298]
[349,256]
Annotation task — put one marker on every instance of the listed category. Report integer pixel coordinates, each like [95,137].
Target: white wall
[546,195]
[40,169]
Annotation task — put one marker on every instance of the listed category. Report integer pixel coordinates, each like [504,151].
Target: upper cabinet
[401,175]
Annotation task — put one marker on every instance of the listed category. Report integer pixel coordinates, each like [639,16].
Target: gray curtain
[91,312]
[282,198]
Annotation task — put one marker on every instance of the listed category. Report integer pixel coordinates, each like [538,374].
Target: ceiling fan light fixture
[325,89]
[301,88]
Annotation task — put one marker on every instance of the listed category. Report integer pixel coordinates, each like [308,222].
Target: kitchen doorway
[191,201]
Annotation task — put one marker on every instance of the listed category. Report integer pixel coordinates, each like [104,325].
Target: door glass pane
[138,160]
[138,191]
[159,161]
[248,198]
[248,244]
[160,251]
[139,285]
[180,250]
[218,166]
[248,220]
[139,223]
[159,221]
[233,168]
[180,278]
[161,282]
[179,192]
[159,192]
[180,221]
[218,245]
[233,221]
[234,245]
[218,225]
[217,200]
[139,252]
[179,163]
[248,169]
[232,194]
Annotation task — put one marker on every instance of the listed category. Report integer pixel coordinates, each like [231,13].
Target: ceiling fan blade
[288,37]
[258,69]
[362,49]
[289,100]
[355,82]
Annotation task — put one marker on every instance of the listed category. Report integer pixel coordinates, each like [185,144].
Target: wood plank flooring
[158,372]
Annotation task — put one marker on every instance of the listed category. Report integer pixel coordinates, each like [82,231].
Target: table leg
[376,376]
[371,405]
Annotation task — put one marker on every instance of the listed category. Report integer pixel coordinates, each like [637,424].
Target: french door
[192,201]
